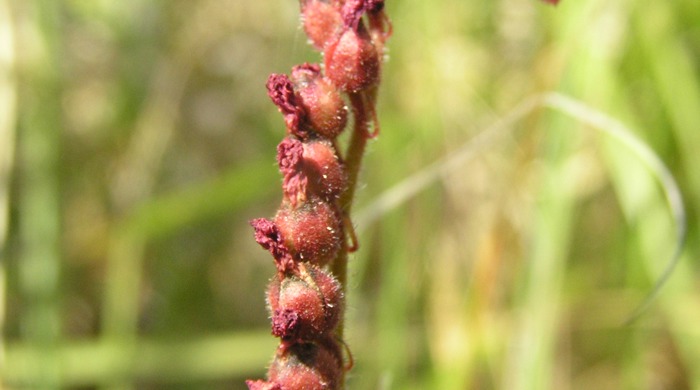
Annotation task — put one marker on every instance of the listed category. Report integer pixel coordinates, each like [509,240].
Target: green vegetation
[506,233]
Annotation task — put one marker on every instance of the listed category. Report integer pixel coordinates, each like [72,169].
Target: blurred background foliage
[137,140]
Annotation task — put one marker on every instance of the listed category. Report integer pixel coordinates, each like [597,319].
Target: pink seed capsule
[307,366]
[332,293]
[310,169]
[352,63]
[306,306]
[299,311]
[322,21]
[311,231]
[326,175]
[326,112]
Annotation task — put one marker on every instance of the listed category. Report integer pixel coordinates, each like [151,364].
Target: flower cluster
[309,231]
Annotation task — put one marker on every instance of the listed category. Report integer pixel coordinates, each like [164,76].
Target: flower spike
[311,234]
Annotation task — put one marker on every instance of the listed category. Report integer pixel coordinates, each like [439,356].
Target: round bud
[322,21]
[311,231]
[306,306]
[310,169]
[325,173]
[332,293]
[352,63]
[326,111]
[307,366]
[299,314]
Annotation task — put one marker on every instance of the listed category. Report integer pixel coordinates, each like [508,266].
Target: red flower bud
[306,306]
[310,169]
[326,176]
[298,313]
[307,366]
[332,293]
[322,21]
[352,63]
[326,112]
[312,231]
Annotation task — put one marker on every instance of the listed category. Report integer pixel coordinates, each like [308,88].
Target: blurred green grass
[138,140]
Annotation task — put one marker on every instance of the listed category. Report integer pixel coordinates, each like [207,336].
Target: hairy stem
[356,148]
[353,162]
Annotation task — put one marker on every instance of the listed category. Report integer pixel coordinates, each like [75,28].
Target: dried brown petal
[290,153]
[281,92]
[268,235]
